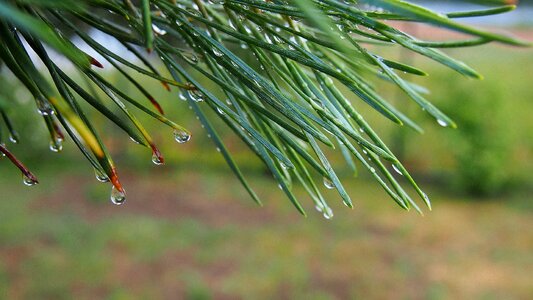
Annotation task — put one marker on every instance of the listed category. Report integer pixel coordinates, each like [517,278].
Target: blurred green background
[189,230]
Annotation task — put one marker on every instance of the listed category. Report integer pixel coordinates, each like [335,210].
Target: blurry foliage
[481,145]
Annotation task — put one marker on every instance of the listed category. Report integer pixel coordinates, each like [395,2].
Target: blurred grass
[197,235]
[190,231]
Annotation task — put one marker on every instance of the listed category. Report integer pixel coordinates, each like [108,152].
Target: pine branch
[287,106]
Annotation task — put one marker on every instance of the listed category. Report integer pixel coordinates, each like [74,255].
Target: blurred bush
[481,143]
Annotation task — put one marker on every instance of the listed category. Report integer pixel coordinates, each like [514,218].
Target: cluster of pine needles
[288,107]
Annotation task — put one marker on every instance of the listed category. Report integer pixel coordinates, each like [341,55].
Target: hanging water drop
[135,141]
[158,30]
[442,123]
[44,108]
[117,197]
[13,138]
[319,207]
[28,181]
[56,145]
[157,159]
[328,183]
[426,199]
[196,95]
[395,167]
[181,136]
[217,53]
[45,111]
[327,213]
[100,175]
[190,58]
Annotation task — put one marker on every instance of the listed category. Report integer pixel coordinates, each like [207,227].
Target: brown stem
[18,163]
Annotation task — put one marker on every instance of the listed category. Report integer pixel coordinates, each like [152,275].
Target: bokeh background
[189,230]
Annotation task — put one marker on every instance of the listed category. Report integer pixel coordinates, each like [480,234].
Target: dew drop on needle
[117,197]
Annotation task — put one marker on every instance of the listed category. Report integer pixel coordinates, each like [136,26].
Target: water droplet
[44,108]
[56,145]
[158,30]
[220,111]
[327,213]
[117,197]
[181,136]
[283,165]
[231,24]
[216,52]
[195,12]
[157,159]
[100,175]
[218,149]
[396,169]
[13,138]
[135,141]
[28,181]
[196,95]
[319,207]
[442,123]
[328,183]
[280,187]
[372,170]
[190,57]
[426,198]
